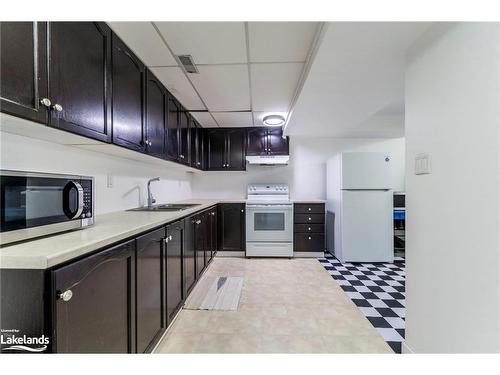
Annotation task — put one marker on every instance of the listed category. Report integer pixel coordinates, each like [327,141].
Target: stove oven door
[269,222]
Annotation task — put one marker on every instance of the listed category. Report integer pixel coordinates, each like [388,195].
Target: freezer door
[367,230]
[366,170]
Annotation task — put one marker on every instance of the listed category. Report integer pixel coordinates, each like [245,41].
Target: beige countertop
[108,229]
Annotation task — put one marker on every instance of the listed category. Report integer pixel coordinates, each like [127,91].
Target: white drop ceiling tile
[223,87]
[205,119]
[145,41]
[258,117]
[233,119]
[207,42]
[280,41]
[273,85]
[176,82]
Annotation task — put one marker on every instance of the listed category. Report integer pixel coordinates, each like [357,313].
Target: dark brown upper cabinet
[215,149]
[184,138]
[79,56]
[23,69]
[196,145]
[235,150]
[156,116]
[128,97]
[257,141]
[266,141]
[172,129]
[225,149]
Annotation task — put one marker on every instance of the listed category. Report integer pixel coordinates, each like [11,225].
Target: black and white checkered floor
[378,289]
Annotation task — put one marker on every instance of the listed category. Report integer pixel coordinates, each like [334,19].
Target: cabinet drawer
[310,218]
[309,208]
[309,242]
[309,228]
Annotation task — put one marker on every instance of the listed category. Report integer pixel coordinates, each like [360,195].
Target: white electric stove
[269,221]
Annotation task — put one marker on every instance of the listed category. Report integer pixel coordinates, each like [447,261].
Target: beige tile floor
[286,306]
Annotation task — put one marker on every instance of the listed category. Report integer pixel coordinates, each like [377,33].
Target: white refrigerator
[360,208]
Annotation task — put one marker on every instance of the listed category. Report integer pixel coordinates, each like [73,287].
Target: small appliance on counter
[269,221]
[38,204]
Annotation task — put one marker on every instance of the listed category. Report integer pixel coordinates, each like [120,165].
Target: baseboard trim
[405,349]
[308,254]
[239,254]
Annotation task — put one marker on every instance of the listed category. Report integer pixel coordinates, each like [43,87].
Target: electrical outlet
[422,164]
[110,180]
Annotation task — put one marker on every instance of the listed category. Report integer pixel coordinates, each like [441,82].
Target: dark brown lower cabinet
[231,228]
[309,227]
[189,259]
[93,303]
[211,239]
[200,242]
[150,300]
[173,266]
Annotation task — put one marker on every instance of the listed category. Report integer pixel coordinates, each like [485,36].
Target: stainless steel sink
[167,207]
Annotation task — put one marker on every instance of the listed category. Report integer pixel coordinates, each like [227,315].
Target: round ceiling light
[273,120]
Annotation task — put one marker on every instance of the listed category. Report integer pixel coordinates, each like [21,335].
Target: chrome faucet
[151,200]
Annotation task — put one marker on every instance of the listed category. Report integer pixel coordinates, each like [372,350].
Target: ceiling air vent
[188,63]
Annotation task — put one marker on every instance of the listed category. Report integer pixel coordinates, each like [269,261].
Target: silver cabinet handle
[309,228]
[57,107]
[309,209]
[198,222]
[198,163]
[150,143]
[242,210]
[66,295]
[181,156]
[309,237]
[170,238]
[309,218]
[165,240]
[45,102]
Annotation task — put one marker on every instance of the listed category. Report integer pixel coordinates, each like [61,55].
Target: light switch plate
[422,164]
[110,180]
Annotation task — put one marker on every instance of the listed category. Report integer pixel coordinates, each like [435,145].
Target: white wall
[453,113]
[130,177]
[306,172]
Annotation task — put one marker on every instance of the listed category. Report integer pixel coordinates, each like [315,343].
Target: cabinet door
[156,112]
[211,234]
[173,260]
[277,145]
[200,241]
[184,146]
[195,144]
[235,150]
[172,129]
[216,149]
[189,258]
[79,84]
[23,69]
[257,141]
[231,227]
[93,301]
[150,300]
[128,94]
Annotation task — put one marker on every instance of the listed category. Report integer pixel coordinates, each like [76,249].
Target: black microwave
[38,204]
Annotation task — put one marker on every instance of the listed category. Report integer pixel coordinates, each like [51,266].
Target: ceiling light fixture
[273,120]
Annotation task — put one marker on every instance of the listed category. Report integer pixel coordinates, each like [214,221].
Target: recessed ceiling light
[273,120]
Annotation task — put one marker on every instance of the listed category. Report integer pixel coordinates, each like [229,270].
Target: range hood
[268,159]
